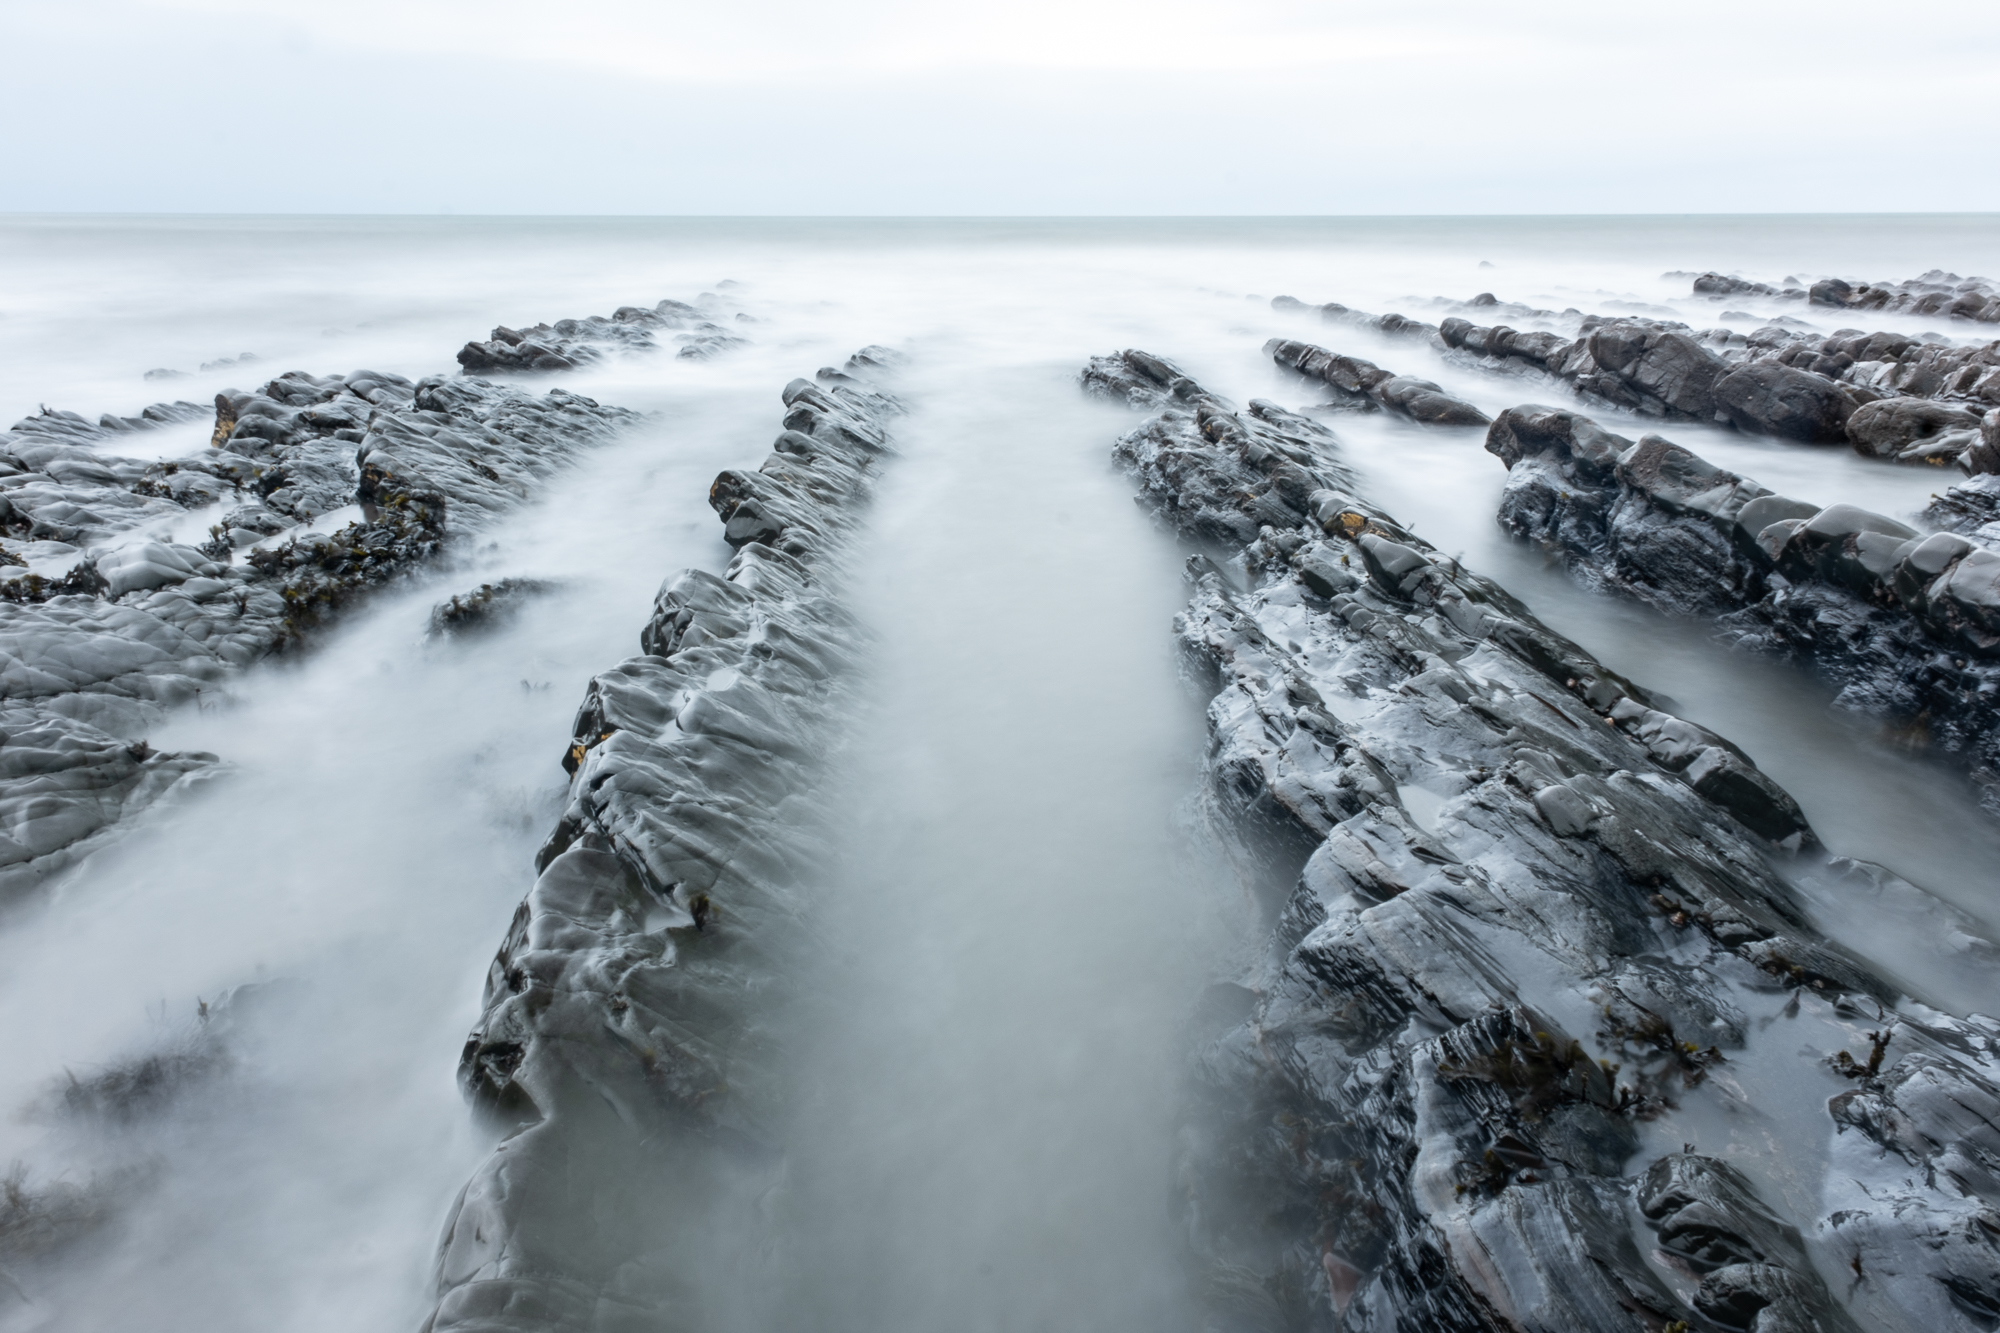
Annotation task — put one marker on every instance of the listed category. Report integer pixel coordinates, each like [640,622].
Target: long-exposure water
[1018,920]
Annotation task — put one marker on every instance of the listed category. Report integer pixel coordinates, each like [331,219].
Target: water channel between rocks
[1019,912]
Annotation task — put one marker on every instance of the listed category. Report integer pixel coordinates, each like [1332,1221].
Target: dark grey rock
[571,343]
[1418,399]
[1665,370]
[1784,401]
[1782,379]
[1904,623]
[612,1043]
[90,662]
[1400,1133]
[1913,430]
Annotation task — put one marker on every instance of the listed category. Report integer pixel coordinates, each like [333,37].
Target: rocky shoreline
[618,1040]
[92,659]
[1545,1028]
[1908,399]
[1907,624]
[1540,929]
[1934,293]
[570,344]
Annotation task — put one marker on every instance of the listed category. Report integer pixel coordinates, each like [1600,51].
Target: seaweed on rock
[1513,851]
[617,1040]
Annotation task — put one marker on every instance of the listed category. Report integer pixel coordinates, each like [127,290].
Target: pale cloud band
[1033,107]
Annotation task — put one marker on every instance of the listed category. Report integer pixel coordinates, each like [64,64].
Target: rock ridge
[1906,623]
[569,344]
[1533,919]
[1908,399]
[618,1041]
[90,659]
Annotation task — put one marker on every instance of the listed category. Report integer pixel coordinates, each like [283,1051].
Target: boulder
[1780,400]
[1662,364]
[1892,427]
[1427,403]
[1966,601]
[1984,455]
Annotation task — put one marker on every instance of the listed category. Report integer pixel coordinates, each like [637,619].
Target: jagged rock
[1664,370]
[65,785]
[570,343]
[1922,1235]
[1932,293]
[1907,624]
[1720,285]
[1138,380]
[1418,399]
[1400,1133]
[90,662]
[56,485]
[1780,381]
[613,1038]
[1935,293]
[1756,1272]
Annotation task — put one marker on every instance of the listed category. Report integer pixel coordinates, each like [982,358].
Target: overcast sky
[1024,107]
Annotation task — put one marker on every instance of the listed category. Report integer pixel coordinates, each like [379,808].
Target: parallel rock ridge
[1934,293]
[1365,384]
[1907,623]
[570,343]
[89,660]
[1889,395]
[619,1035]
[1536,914]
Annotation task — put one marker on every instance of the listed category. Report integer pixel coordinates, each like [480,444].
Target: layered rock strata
[1906,623]
[1651,367]
[1541,937]
[619,1036]
[58,487]
[90,659]
[1936,293]
[570,343]
[1888,395]
[1359,382]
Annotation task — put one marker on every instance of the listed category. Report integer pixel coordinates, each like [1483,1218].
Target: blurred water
[1014,932]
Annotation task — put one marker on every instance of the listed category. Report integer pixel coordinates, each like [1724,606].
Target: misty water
[1019,915]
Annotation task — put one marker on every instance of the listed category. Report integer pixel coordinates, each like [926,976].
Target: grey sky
[1036,106]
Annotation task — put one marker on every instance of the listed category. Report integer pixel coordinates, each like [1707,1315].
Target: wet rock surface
[91,658]
[1906,623]
[1526,924]
[569,344]
[1790,382]
[1364,382]
[616,1040]
[1936,293]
